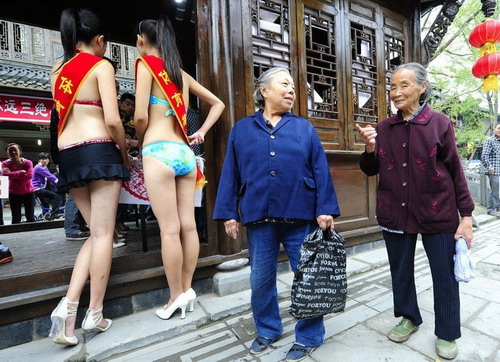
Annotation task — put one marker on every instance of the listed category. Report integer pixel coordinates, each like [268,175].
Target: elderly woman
[276,171]
[421,190]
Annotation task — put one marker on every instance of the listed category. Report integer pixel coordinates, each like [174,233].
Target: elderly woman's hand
[232,228]
[368,134]
[325,222]
[465,230]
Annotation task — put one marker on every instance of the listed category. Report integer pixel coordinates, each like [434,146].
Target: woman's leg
[97,203]
[185,186]
[15,202]
[80,273]
[104,202]
[263,248]
[81,270]
[401,253]
[29,206]
[161,187]
[309,332]
[440,249]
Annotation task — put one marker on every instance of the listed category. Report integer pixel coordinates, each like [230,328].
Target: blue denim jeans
[263,245]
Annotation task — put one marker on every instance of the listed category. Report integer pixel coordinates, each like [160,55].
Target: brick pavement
[221,329]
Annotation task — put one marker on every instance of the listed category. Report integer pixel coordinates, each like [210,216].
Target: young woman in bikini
[169,163]
[92,160]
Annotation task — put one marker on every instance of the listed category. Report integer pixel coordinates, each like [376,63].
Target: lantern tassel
[490,83]
[487,48]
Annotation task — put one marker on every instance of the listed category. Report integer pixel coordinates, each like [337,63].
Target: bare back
[85,122]
[161,127]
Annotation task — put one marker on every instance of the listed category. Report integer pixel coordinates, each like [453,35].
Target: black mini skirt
[80,165]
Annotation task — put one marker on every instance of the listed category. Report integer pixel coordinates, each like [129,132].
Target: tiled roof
[26,76]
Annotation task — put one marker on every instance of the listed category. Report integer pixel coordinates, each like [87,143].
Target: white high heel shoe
[90,324]
[64,310]
[191,295]
[180,302]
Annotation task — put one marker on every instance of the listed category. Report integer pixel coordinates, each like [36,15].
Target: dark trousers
[73,220]
[29,207]
[440,249]
[48,198]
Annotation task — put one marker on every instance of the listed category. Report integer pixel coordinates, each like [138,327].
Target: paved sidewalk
[221,329]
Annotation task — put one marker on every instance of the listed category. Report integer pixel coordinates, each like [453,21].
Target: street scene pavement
[221,328]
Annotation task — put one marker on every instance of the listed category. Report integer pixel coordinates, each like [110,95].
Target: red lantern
[484,36]
[486,32]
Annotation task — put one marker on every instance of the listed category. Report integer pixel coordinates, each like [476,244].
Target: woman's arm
[107,91]
[25,174]
[227,197]
[326,199]
[216,106]
[144,82]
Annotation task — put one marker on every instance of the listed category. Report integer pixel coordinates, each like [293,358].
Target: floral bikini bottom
[176,155]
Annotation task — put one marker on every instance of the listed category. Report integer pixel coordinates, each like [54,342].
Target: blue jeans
[263,245]
[494,201]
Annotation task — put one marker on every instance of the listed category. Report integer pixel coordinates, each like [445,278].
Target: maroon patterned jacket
[422,187]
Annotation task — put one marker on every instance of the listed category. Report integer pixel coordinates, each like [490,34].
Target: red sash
[174,96]
[68,83]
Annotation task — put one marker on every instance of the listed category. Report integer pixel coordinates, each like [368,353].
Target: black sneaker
[82,235]
[5,255]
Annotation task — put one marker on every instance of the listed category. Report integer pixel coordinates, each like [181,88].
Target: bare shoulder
[105,67]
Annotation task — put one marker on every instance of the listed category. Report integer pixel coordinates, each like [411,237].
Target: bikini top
[89,103]
[157,100]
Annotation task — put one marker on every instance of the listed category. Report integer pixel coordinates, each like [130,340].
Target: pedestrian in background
[491,161]
[21,191]
[276,181]
[422,189]
[44,182]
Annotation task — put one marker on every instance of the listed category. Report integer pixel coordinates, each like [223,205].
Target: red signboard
[25,109]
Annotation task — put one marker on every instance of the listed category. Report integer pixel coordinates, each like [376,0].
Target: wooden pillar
[220,55]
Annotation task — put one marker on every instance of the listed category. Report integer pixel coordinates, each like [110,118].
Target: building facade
[341,54]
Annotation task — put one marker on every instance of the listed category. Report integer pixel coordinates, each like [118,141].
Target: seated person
[42,175]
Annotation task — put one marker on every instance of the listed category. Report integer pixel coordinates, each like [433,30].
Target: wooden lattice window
[270,35]
[320,65]
[20,42]
[364,73]
[4,35]
[394,55]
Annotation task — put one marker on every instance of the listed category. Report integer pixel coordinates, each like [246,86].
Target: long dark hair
[160,33]
[82,25]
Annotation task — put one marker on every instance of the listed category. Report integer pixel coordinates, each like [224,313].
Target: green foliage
[457,92]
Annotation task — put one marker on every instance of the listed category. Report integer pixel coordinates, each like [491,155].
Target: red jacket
[19,181]
[422,187]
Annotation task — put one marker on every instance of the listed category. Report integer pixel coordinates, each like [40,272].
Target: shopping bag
[320,282]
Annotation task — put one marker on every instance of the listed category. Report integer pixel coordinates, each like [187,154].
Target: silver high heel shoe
[64,310]
[191,295]
[90,324]
[180,303]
